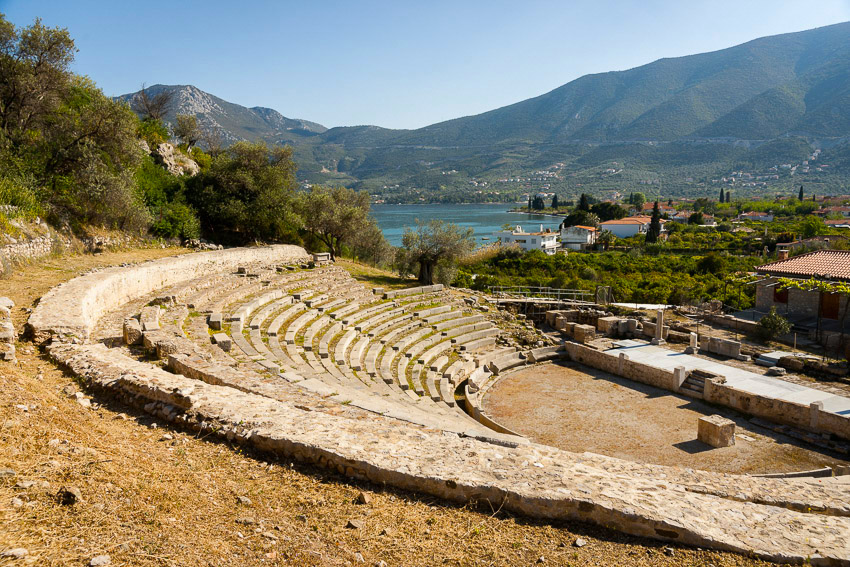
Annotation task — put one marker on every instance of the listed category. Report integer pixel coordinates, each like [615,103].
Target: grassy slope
[155,502]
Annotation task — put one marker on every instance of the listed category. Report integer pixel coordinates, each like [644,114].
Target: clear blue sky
[397,63]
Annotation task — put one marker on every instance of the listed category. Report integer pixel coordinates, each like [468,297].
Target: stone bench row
[412,291]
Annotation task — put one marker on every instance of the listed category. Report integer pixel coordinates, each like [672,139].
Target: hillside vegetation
[82,161]
[675,123]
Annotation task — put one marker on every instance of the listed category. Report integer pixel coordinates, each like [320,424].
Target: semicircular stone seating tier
[308,363]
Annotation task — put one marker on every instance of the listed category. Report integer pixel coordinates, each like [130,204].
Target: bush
[19,197]
[153,132]
[175,220]
[772,325]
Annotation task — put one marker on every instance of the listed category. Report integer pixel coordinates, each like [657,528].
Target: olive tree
[187,130]
[335,216]
[432,244]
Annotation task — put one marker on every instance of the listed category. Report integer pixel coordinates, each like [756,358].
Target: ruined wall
[626,368]
[779,411]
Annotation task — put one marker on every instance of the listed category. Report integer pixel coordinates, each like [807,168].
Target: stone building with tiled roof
[804,307]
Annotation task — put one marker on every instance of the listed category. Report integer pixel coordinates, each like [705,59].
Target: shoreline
[538,214]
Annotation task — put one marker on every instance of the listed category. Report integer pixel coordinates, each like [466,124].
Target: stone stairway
[694,385]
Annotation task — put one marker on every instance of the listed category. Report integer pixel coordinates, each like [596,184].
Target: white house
[578,237]
[756,216]
[547,240]
[629,226]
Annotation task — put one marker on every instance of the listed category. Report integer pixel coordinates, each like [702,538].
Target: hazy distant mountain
[773,95]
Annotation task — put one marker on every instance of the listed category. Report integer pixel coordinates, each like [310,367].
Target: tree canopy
[248,193]
[335,215]
[430,244]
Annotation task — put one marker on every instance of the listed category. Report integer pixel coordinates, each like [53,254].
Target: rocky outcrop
[174,161]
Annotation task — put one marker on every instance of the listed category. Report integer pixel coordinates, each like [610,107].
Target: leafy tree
[335,215]
[538,204]
[581,218]
[608,211]
[584,203]
[247,194]
[800,195]
[812,226]
[654,230]
[711,263]
[696,218]
[77,145]
[554,201]
[187,129]
[433,243]
[605,239]
[154,107]
[772,325]
[213,140]
[637,200]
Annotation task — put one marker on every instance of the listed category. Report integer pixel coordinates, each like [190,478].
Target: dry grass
[152,501]
[376,277]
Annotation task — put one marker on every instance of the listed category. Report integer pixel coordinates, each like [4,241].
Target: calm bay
[484,218]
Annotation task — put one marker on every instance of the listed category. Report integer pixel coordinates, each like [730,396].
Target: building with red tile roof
[807,308]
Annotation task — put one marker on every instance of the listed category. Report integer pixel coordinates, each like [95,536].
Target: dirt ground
[578,408]
[155,496]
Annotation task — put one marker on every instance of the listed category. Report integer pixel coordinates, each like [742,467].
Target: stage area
[578,408]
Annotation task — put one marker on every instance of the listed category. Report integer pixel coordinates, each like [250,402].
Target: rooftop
[832,263]
[631,220]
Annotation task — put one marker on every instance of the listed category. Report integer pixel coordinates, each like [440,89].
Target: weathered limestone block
[723,347]
[160,343]
[149,318]
[716,430]
[7,335]
[584,333]
[214,321]
[321,257]
[792,363]
[608,325]
[560,322]
[693,344]
[223,341]
[678,337]
[649,330]
[132,331]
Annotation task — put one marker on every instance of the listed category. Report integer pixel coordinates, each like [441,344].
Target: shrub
[152,131]
[772,325]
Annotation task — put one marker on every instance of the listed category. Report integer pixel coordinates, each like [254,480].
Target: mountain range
[753,106]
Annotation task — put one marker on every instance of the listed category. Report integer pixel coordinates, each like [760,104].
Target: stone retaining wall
[630,369]
[808,417]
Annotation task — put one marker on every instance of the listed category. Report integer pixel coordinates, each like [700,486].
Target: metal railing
[544,293]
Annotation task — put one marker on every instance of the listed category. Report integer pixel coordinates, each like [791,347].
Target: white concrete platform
[735,377]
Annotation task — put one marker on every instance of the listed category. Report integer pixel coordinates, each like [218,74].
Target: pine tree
[583,203]
[555,202]
[729,196]
[722,196]
[529,202]
[654,225]
[800,196]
